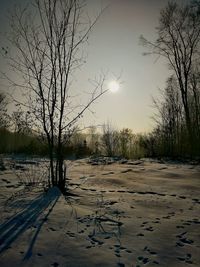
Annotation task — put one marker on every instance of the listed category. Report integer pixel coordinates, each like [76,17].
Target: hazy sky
[114,47]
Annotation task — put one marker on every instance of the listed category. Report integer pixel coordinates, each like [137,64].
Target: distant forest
[109,142]
[106,141]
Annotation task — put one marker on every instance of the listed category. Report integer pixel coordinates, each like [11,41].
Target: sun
[113,86]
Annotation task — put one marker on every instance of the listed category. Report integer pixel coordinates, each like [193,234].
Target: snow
[120,214]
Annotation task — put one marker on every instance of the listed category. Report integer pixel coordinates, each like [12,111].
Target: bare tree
[170,119]
[20,122]
[93,138]
[195,101]
[125,142]
[178,41]
[109,140]
[48,40]
[4,118]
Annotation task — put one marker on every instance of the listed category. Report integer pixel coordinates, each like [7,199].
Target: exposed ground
[141,213]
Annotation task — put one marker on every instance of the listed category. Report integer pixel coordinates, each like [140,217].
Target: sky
[114,48]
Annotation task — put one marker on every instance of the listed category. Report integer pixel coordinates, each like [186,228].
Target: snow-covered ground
[142,213]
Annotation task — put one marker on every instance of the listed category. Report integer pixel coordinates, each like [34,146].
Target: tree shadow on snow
[18,224]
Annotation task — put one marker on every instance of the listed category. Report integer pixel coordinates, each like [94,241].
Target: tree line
[178,109]
[104,141]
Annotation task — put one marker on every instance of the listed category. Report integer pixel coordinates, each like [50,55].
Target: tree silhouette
[178,39]
[48,40]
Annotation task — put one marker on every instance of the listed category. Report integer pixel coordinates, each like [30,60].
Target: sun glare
[113,86]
